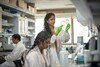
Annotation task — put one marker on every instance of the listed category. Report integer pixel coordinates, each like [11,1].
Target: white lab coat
[14,55]
[35,59]
[51,54]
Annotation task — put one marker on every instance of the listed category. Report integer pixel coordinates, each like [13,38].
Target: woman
[35,57]
[53,50]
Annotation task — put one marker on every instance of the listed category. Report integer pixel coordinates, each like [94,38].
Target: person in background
[52,52]
[14,58]
[35,56]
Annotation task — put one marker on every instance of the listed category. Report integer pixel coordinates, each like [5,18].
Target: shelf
[7,14]
[95,52]
[30,35]
[6,34]
[17,20]
[17,8]
[31,20]
[23,34]
[31,28]
[33,33]
[8,25]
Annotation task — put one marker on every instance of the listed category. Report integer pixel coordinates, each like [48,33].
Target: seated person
[35,56]
[13,59]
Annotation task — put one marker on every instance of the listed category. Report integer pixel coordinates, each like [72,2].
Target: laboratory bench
[4,52]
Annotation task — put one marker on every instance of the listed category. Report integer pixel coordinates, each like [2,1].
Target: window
[77,30]
[58,21]
[80,30]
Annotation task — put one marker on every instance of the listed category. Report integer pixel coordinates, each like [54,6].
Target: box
[22,4]
[4,1]
[13,2]
[31,9]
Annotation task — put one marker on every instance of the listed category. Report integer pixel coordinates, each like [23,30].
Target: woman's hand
[53,38]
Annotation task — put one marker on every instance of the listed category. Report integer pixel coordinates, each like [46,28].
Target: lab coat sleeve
[54,61]
[53,38]
[59,46]
[15,54]
[57,39]
[54,58]
[32,61]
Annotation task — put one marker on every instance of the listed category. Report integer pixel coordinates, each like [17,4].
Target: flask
[64,57]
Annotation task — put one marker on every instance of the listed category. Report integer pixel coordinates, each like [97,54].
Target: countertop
[4,52]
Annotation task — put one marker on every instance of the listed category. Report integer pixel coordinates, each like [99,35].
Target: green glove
[59,29]
[67,27]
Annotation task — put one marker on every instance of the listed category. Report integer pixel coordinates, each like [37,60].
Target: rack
[15,8]
[14,19]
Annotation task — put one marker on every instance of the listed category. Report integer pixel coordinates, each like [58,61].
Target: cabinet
[24,26]
[20,25]
[6,24]
[14,19]
[31,26]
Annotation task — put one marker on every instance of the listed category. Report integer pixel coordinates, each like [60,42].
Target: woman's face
[46,44]
[51,21]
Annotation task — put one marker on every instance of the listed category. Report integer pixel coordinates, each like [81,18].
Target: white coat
[35,59]
[14,55]
[51,53]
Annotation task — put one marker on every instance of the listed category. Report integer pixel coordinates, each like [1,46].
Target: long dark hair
[41,37]
[46,26]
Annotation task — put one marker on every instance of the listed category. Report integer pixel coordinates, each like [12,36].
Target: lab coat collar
[36,48]
[19,43]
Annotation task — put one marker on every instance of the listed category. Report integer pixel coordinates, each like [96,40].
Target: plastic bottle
[64,57]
